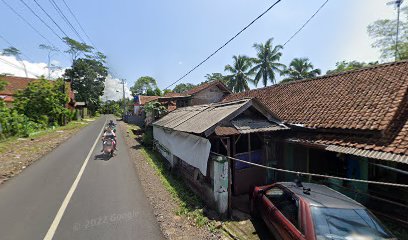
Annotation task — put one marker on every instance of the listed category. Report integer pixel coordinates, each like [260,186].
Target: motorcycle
[108,147]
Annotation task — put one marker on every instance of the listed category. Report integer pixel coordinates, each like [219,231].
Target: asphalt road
[65,196]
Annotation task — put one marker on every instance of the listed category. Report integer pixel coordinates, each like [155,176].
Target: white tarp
[190,148]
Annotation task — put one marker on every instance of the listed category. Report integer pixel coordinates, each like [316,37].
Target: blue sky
[165,39]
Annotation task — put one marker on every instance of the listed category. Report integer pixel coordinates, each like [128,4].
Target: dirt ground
[17,154]
[164,207]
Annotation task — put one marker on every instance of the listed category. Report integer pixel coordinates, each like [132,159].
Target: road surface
[71,193]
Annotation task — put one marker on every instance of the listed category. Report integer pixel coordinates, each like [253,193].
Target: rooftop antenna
[397,4]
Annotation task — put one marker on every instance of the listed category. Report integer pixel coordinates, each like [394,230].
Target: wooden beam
[249,147]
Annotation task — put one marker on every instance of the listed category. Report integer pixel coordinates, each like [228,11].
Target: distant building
[15,84]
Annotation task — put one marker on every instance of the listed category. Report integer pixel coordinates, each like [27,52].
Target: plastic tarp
[190,148]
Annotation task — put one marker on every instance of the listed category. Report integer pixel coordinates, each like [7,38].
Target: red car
[314,212]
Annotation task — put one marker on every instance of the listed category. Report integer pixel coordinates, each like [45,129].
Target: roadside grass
[190,205]
[6,143]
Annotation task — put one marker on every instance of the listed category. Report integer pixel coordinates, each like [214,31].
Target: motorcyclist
[112,125]
[109,133]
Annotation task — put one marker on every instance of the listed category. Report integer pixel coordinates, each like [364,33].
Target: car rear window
[347,224]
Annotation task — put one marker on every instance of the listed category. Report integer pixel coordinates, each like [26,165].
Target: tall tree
[183,87]
[76,49]
[384,32]
[50,50]
[300,68]
[240,73]
[12,51]
[142,85]
[267,62]
[88,79]
[352,65]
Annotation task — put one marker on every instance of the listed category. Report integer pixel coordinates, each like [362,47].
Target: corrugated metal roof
[249,125]
[369,153]
[200,118]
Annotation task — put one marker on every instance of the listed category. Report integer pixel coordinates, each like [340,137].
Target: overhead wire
[313,174]
[48,26]
[12,45]
[79,24]
[287,41]
[304,25]
[62,15]
[27,22]
[225,44]
[48,15]
[16,66]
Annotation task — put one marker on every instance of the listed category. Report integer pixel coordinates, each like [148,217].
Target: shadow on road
[102,156]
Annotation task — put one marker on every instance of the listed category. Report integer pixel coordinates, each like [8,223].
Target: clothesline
[314,174]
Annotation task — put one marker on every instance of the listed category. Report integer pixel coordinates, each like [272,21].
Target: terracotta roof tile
[363,99]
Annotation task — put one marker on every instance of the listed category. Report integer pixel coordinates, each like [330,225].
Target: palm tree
[240,74]
[300,68]
[267,62]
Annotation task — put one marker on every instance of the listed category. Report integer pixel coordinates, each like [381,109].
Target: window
[285,203]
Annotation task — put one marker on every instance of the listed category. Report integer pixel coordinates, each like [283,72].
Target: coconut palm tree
[240,74]
[300,68]
[267,62]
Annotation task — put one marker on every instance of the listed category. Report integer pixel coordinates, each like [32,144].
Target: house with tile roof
[15,84]
[352,124]
[206,93]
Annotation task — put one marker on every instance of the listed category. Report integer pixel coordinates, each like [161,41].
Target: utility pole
[124,99]
[398,6]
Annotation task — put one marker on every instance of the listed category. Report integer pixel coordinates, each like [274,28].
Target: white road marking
[60,213]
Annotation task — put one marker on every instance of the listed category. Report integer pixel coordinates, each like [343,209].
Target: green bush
[147,137]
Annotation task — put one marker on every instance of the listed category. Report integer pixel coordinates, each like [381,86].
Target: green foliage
[43,101]
[267,62]
[15,124]
[153,92]
[384,32]
[87,77]
[240,74]
[347,66]
[155,108]
[190,205]
[147,137]
[112,107]
[183,87]
[11,51]
[142,85]
[76,48]
[3,84]
[165,91]
[300,68]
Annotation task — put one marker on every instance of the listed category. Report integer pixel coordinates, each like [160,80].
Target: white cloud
[10,65]
[180,63]
[114,89]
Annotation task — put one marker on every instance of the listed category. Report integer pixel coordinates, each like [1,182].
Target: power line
[79,24]
[16,66]
[313,174]
[33,12]
[62,15]
[225,44]
[46,13]
[12,45]
[300,29]
[27,22]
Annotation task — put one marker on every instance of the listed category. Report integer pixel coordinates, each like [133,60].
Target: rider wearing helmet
[109,133]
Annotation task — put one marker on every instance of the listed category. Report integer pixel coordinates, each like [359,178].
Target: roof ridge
[334,74]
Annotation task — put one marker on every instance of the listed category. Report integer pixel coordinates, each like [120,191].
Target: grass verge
[190,205]
[4,144]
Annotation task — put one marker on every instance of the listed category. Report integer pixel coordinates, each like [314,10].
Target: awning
[249,125]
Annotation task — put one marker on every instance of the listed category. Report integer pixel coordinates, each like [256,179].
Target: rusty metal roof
[250,125]
[204,118]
